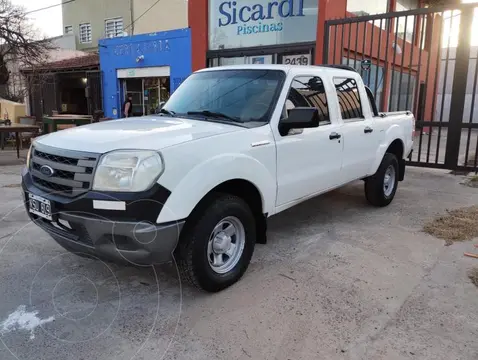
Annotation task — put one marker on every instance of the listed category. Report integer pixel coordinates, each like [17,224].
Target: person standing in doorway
[128,106]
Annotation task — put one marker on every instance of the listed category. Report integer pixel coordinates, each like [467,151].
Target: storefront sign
[142,48]
[303,59]
[232,14]
[234,24]
[146,72]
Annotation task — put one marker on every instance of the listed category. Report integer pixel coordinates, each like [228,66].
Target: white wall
[64,42]
[165,15]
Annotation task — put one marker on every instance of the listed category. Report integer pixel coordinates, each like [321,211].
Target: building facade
[280,32]
[294,32]
[92,20]
[67,85]
[149,67]
[159,16]
[63,47]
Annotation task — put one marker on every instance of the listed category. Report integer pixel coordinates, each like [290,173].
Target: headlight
[29,156]
[128,171]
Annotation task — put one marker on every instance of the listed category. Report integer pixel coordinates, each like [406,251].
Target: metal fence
[43,95]
[419,60]
[94,91]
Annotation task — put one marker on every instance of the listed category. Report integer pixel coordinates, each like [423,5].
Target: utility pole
[131,11]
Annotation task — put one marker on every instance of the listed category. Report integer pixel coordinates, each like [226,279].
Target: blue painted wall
[167,48]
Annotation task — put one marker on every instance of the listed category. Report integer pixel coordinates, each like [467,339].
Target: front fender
[393,133]
[204,177]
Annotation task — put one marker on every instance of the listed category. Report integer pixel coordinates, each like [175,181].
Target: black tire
[374,185]
[191,253]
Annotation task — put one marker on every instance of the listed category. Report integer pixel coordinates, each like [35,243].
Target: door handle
[334,136]
[368,130]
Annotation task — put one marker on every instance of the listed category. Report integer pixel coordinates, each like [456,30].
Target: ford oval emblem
[47,171]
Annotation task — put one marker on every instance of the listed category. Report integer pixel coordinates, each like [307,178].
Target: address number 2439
[296,60]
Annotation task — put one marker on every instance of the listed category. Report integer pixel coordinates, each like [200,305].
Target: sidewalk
[8,157]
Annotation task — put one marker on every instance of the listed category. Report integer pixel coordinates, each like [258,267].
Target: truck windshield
[241,96]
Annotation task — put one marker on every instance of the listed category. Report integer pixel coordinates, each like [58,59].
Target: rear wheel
[381,187]
[217,245]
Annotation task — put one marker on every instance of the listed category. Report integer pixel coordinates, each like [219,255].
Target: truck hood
[149,132]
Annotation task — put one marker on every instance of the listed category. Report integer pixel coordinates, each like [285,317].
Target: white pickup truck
[232,147]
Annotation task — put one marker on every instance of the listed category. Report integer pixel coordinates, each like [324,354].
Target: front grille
[51,185]
[77,233]
[60,173]
[55,158]
[72,170]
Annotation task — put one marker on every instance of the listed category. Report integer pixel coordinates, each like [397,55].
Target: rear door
[308,160]
[359,135]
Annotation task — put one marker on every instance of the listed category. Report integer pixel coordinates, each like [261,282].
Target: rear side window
[309,91]
[349,98]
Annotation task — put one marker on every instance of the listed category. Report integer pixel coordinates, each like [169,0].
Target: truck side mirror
[299,118]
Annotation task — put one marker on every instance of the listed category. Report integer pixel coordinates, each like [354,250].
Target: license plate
[39,206]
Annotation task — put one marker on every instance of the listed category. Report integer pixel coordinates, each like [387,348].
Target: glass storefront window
[403,92]
[289,58]
[247,23]
[406,33]
[147,93]
[242,60]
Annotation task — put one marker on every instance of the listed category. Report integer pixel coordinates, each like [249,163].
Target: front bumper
[129,236]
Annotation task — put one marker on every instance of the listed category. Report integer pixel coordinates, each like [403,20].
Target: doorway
[147,93]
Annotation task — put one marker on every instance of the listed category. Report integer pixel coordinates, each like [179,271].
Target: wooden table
[54,121]
[17,129]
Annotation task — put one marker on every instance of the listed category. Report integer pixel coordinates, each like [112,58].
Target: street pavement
[338,279]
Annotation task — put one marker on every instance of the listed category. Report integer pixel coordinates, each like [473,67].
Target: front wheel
[217,246]
[381,187]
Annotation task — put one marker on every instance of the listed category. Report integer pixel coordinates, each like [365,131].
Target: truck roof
[336,69]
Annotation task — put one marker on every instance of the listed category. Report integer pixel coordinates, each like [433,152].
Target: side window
[349,98]
[309,91]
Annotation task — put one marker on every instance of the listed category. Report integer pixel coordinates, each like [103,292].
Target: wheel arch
[397,148]
[247,191]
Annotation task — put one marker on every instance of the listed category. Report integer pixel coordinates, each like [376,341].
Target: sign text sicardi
[258,18]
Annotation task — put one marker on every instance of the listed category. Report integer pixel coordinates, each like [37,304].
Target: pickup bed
[232,147]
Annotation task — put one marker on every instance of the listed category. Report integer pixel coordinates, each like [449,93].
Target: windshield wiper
[215,115]
[167,112]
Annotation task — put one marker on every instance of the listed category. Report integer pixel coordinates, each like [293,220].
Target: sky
[48,22]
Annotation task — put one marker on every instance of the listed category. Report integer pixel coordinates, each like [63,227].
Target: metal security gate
[94,91]
[43,95]
[423,60]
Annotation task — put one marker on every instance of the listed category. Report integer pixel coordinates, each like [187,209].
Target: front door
[147,93]
[308,160]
